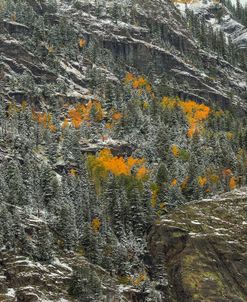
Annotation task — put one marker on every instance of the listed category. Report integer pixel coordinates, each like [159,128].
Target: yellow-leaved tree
[95,224]
[104,163]
[175,150]
[202,180]
[82,43]
[232,183]
[194,112]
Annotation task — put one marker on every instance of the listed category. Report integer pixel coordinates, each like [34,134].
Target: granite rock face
[174,55]
[216,14]
[204,250]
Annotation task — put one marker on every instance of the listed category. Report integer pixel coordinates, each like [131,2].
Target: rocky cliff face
[202,247]
[217,15]
[151,36]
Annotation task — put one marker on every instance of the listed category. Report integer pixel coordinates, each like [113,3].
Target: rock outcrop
[217,15]
[202,246]
[174,55]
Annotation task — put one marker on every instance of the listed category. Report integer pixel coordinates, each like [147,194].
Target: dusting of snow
[220,234]
[167,220]
[11,292]
[193,235]
[195,222]
[59,178]
[70,69]
[57,262]
[233,30]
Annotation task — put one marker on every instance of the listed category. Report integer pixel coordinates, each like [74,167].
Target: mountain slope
[196,252]
[203,247]
[150,36]
[113,119]
[217,15]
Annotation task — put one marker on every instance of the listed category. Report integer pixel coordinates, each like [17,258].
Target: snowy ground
[206,9]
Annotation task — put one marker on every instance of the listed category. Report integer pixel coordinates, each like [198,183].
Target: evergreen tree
[85,285]
[44,243]
[67,225]
[17,192]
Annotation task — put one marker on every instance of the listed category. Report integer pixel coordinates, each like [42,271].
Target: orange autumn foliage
[214,178]
[192,130]
[85,113]
[65,123]
[99,113]
[82,43]
[174,182]
[139,83]
[202,181]
[108,125]
[52,128]
[227,172]
[142,277]
[168,102]
[142,173]
[76,118]
[175,150]
[194,112]
[95,224]
[232,183]
[44,119]
[129,77]
[131,162]
[118,166]
[149,88]
[117,116]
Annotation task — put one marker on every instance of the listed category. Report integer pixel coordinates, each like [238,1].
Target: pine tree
[162,174]
[136,213]
[6,227]
[44,242]
[49,184]
[85,285]
[115,12]
[67,225]
[52,148]
[90,243]
[15,183]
